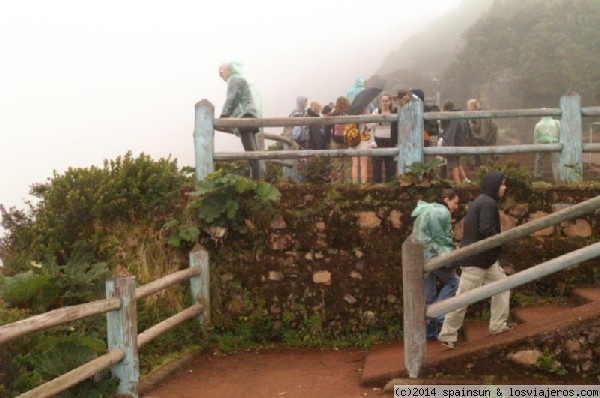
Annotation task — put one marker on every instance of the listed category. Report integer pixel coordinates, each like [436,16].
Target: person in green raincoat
[546,131]
[433,228]
[241,102]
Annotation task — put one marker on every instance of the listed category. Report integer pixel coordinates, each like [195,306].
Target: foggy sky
[81,82]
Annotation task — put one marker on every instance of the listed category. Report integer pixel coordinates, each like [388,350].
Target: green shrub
[229,200]
[84,203]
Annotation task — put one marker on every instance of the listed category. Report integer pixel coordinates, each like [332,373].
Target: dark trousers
[249,143]
[387,161]
[248,137]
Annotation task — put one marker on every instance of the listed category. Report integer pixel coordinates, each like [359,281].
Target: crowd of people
[451,133]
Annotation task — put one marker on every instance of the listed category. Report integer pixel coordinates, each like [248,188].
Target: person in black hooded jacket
[481,222]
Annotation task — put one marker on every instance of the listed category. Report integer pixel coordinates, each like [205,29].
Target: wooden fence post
[290,172]
[122,333]
[571,137]
[410,135]
[413,294]
[200,284]
[204,139]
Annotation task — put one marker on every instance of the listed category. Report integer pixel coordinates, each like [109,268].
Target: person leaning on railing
[240,102]
[546,132]
[386,136]
[341,168]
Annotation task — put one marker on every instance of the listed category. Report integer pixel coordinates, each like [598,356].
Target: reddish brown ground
[278,372]
[270,373]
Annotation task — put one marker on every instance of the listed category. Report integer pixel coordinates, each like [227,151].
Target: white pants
[471,278]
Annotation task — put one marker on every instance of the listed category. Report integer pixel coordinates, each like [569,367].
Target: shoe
[466,181]
[450,344]
[509,326]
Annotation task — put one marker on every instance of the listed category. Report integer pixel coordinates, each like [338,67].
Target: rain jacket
[457,132]
[240,100]
[433,227]
[546,131]
[483,221]
[359,85]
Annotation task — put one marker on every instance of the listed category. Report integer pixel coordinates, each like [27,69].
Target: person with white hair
[240,102]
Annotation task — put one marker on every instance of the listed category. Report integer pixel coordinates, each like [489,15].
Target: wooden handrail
[166,281]
[515,280]
[56,317]
[75,376]
[149,334]
[521,231]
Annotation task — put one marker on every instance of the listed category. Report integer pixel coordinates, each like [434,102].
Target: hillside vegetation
[520,53]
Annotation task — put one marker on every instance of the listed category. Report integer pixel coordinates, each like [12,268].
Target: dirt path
[270,373]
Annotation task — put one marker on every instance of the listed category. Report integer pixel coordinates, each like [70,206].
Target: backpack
[485,132]
[300,134]
[338,133]
[352,136]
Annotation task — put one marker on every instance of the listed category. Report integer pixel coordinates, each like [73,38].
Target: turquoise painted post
[200,285]
[204,139]
[290,172]
[122,333]
[410,135]
[571,137]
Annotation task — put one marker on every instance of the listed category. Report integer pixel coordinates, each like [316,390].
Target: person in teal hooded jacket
[241,102]
[433,228]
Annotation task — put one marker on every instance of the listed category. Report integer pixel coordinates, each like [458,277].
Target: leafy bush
[517,177]
[83,203]
[229,200]
[50,285]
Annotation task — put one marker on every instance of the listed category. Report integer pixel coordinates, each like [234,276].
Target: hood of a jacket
[300,102]
[490,184]
[423,207]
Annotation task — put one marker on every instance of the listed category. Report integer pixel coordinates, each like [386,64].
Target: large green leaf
[21,289]
[266,191]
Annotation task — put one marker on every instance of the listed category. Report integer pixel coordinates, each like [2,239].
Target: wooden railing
[410,148]
[123,339]
[414,266]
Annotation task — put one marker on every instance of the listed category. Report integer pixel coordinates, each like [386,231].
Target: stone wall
[331,257]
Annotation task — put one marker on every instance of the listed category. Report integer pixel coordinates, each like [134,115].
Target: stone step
[386,361]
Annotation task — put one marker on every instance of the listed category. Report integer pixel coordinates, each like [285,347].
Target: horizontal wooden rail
[515,280]
[327,120]
[280,138]
[56,317]
[521,231]
[149,334]
[496,114]
[163,283]
[591,111]
[75,376]
[501,149]
[295,154]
